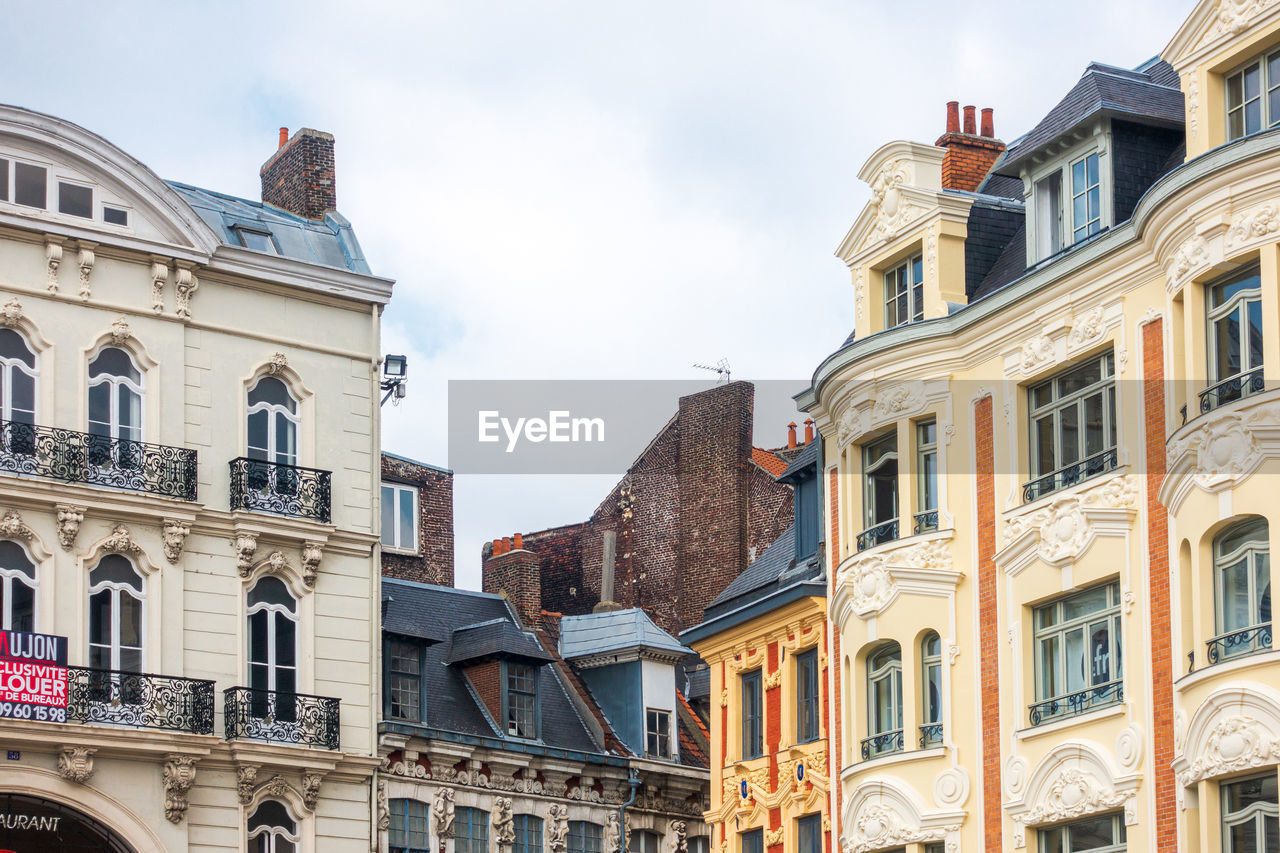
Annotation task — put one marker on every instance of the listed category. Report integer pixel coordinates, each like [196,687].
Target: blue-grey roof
[764,572]
[806,458]
[494,638]
[329,242]
[1149,94]
[425,610]
[613,631]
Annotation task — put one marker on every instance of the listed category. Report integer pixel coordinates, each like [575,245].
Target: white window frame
[930,662]
[1250,549]
[1073,400]
[272,667]
[1058,631]
[1257,813]
[926,483]
[886,676]
[870,469]
[1239,302]
[397,490]
[274,411]
[1265,87]
[7,366]
[1078,192]
[662,734]
[116,382]
[893,279]
[8,577]
[1097,142]
[117,588]
[1117,832]
[276,831]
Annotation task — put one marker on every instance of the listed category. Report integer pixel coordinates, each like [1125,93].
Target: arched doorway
[35,825]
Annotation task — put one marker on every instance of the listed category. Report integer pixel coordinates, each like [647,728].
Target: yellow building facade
[1048,456]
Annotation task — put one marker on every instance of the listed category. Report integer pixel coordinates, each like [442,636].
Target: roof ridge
[420,585]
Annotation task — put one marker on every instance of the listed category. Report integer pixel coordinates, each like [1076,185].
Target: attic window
[904,293]
[75,199]
[657,729]
[30,185]
[115,215]
[258,241]
[1253,96]
[522,700]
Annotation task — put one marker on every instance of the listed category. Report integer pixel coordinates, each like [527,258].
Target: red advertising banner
[33,676]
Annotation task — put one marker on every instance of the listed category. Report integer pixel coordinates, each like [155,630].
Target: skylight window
[259,241]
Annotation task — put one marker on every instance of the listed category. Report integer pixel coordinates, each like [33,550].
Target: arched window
[931,690]
[115,409]
[273,650]
[1235,338]
[273,422]
[115,615]
[1250,815]
[1242,590]
[272,829]
[17,588]
[884,701]
[409,827]
[17,392]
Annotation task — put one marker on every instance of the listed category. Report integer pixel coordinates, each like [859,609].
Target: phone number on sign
[40,713]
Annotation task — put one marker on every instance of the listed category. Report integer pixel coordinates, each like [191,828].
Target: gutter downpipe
[634,781]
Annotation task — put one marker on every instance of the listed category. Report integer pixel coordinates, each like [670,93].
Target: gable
[1215,23]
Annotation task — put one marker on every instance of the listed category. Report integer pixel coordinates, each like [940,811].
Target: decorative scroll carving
[120,541]
[11,313]
[773,837]
[1254,225]
[120,331]
[892,210]
[1036,353]
[951,787]
[175,534]
[246,776]
[1236,743]
[859,294]
[558,828]
[871,578]
[159,278]
[773,679]
[1192,255]
[278,362]
[900,399]
[311,554]
[1063,526]
[246,547]
[1129,747]
[443,809]
[179,776]
[724,698]
[1191,86]
[311,780]
[75,763]
[1072,794]
[53,260]
[1234,16]
[13,527]
[87,261]
[1015,775]
[879,826]
[184,287]
[69,519]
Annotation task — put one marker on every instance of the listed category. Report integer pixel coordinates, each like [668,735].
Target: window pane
[1090,601]
[1069,430]
[1253,317]
[1092,833]
[1252,82]
[1075,660]
[31,185]
[75,200]
[258,636]
[388,516]
[286,647]
[1253,116]
[258,434]
[130,620]
[100,409]
[115,216]
[4,179]
[22,607]
[100,617]
[1095,436]
[286,452]
[1049,679]
[1262,588]
[1234,595]
[407,539]
[1100,652]
[1045,457]
[1235,91]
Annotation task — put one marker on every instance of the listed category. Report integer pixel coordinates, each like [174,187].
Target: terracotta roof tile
[768,461]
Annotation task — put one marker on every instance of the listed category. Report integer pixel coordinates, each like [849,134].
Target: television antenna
[721,368]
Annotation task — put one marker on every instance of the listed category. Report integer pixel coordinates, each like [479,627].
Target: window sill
[1033,732]
[1227,667]
[890,758]
[402,552]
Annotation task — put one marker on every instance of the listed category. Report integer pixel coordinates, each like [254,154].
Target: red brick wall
[434,561]
[486,680]
[968,160]
[989,643]
[299,177]
[835,754]
[773,734]
[515,574]
[770,511]
[1158,581]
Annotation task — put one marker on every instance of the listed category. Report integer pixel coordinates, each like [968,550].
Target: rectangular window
[586,837]
[115,215]
[752,716]
[404,680]
[880,485]
[1253,97]
[1078,658]
[926,477]
[470,830]
[1048,200]
[807,696]
[753,841]
[809,834]
[522,700]
[1250,815]
[399,517]
[657,733]
[30,185]
[1073,426]
[1086,198]
[643,841]
[904,293]
[1102,834]
[807,517]
[1234,339]
[4,179]
[528,830]
[259,241]
[408,831]
[699,844]
[75,200]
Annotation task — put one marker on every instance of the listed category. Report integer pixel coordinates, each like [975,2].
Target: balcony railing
[1072,704]
[99,460]
[1099,463]
[1238,643]
[884,532]
[294,718]
[281,489]
[930,735]
[1228,390]
[926,522]
[881,744]
[140,700]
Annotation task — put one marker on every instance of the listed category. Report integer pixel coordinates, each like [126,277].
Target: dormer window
[904,293]
[657,728]
[1253,96]
[258,241]
[522,700]
[1086,198]
[1059,225]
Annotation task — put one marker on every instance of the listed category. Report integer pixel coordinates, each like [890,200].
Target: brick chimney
[971,152]
[517,574]
[299,176]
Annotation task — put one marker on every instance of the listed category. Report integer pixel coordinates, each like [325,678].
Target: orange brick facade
[990,702]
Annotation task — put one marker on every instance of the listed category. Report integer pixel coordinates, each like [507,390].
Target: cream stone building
[1052,447]
[189,472]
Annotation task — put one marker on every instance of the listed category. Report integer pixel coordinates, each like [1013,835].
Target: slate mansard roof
[614,631]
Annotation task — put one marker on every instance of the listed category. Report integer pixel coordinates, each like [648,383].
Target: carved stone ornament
[75,763]
[159,278]
[773,679]
[1192,255]
[1254,225]
[53,259]
[558,828]
[1087,328]
[184,287]
[1129,747]
[878,826]
[859,294]
[1236,743]
[120,541]
[773,837]
[311,554]
[1227,453]
[1073,793]
[612,833]
[931,255]
[384,810]
[1063,525]
[1015,775]
[246,777]
[11,313]
[246,547]
[1234,16]
[951,787]
[69,519]
[1036,353]
[179,776]
[277,786]
[277,562]
[871,580]
[1064,532]
[278,362]
[872,586]
[13,527]
[311,780]
[1179,730]
[442,810]
[724,698]
[120,331]
[899,400]
[678,830]
[87,260]
[504,822]
[892,210]
[850,425]
[175,534]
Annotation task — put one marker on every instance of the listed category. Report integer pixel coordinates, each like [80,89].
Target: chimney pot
[284,137]
[518,541]
[953,116]
[791,435]
[506,544]
[970,124]
[808,430]
[988,123]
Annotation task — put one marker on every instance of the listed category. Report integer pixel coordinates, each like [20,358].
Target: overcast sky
[570,190]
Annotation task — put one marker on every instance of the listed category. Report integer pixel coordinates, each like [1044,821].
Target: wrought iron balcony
[99,460]
[1099,463]
[1229,390]
[881,744]
[281,489]
[140,700]
[294,718]
[1072,704]
[926,522]
[873,536]
[930,735]
[1238,643]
